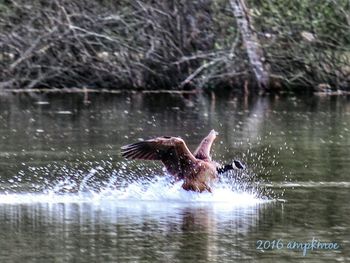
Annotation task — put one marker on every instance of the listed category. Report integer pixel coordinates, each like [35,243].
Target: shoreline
[162,91]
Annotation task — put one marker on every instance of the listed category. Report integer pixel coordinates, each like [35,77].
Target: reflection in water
[141,230]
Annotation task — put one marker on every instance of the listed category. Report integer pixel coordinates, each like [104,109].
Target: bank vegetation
[180,45]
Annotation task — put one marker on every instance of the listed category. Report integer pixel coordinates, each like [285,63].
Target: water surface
[66,195]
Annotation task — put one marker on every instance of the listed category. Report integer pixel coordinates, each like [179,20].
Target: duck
[197,170]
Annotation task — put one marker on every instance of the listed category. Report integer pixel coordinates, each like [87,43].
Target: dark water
[67,196]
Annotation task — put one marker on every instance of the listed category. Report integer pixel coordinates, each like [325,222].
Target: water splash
[101,184]
[161,188]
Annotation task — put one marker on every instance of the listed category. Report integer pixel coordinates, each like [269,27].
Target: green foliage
[305,41]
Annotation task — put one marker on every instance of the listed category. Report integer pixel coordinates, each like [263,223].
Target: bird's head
[238,165]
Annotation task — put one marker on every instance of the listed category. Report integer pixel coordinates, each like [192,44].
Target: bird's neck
[225,168]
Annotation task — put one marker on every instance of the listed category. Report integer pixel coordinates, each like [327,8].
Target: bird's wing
[172,151]
[203,150]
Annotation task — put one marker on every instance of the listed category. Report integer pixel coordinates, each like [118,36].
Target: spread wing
[172,151]
[203,150]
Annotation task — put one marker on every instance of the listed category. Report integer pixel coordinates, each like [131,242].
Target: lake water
[66,195]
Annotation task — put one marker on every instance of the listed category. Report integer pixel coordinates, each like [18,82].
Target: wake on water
[117,189]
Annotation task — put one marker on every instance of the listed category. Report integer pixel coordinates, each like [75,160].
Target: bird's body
[197,170]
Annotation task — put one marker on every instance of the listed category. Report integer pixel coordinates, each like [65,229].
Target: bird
[197,170]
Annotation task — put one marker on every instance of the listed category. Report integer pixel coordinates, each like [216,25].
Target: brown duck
[197,170]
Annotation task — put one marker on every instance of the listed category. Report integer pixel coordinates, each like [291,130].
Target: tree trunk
[250,40]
